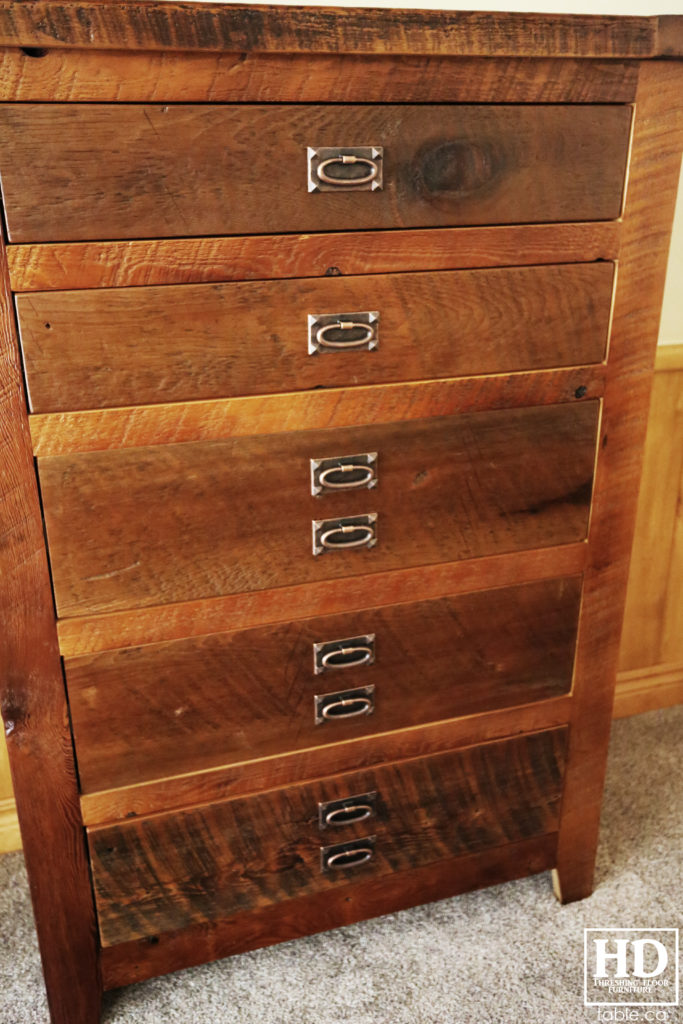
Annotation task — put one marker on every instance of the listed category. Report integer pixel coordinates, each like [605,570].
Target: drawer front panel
[158,525]
[165,709]
[93,349]
[93,171]
[172,870]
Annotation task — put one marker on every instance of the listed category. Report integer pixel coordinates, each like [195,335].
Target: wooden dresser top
[150,25]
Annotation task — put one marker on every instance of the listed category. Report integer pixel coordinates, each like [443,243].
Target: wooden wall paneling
[651,655]
[647,689]
[35,715]
[59,266]
[109,77]
[655,164]
[672,632]
[648,638]
[10,838]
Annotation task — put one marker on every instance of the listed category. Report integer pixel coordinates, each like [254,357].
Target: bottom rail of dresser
[135,961]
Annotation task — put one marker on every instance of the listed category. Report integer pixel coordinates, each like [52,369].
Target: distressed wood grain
[648,214]
[136,346]
[448,488]
[58,266]
[75,172]
[181,422]
[264,28]
[134,961]
[58,75]
[145,713]
[164,623]
[176,791]
[35,716]
[170,871]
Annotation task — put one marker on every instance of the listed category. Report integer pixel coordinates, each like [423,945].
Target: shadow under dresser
[327,339]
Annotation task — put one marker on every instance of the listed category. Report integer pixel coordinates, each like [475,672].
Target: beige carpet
[507,955]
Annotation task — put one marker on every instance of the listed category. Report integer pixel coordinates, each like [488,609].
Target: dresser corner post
[35,714]
[652,182]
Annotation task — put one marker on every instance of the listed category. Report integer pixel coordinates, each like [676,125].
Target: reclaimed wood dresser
[326,353]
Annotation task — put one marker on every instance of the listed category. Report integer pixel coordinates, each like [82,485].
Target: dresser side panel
[35,714]
[648,214]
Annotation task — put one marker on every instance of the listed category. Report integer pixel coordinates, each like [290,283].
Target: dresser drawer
[89,171]
[173,708]
[156,525]
[91,349]
[165,872]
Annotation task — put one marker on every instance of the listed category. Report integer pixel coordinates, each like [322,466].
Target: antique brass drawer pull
[323,160]
[348,815]
[344,473]
[329,538]
[347,707]
[327,541]
[337,813]
[344,534]
[359,656]
[340,654]
[347,326]
[357,703]
[347,855]
[344,325]
[367,475]
[348,158]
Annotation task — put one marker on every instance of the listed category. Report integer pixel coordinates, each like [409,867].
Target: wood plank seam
[55,434]
[159,623]
[137,263]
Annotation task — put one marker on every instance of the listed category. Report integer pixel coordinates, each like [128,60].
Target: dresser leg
[570,886]
[35,716]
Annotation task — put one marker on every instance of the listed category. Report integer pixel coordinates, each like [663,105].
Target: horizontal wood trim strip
[135,961]
[167,77]
[179,422]
[64,265]
[211,26]
[162,623]
[10,837]
[269,773]
[647,689]
[669,358]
